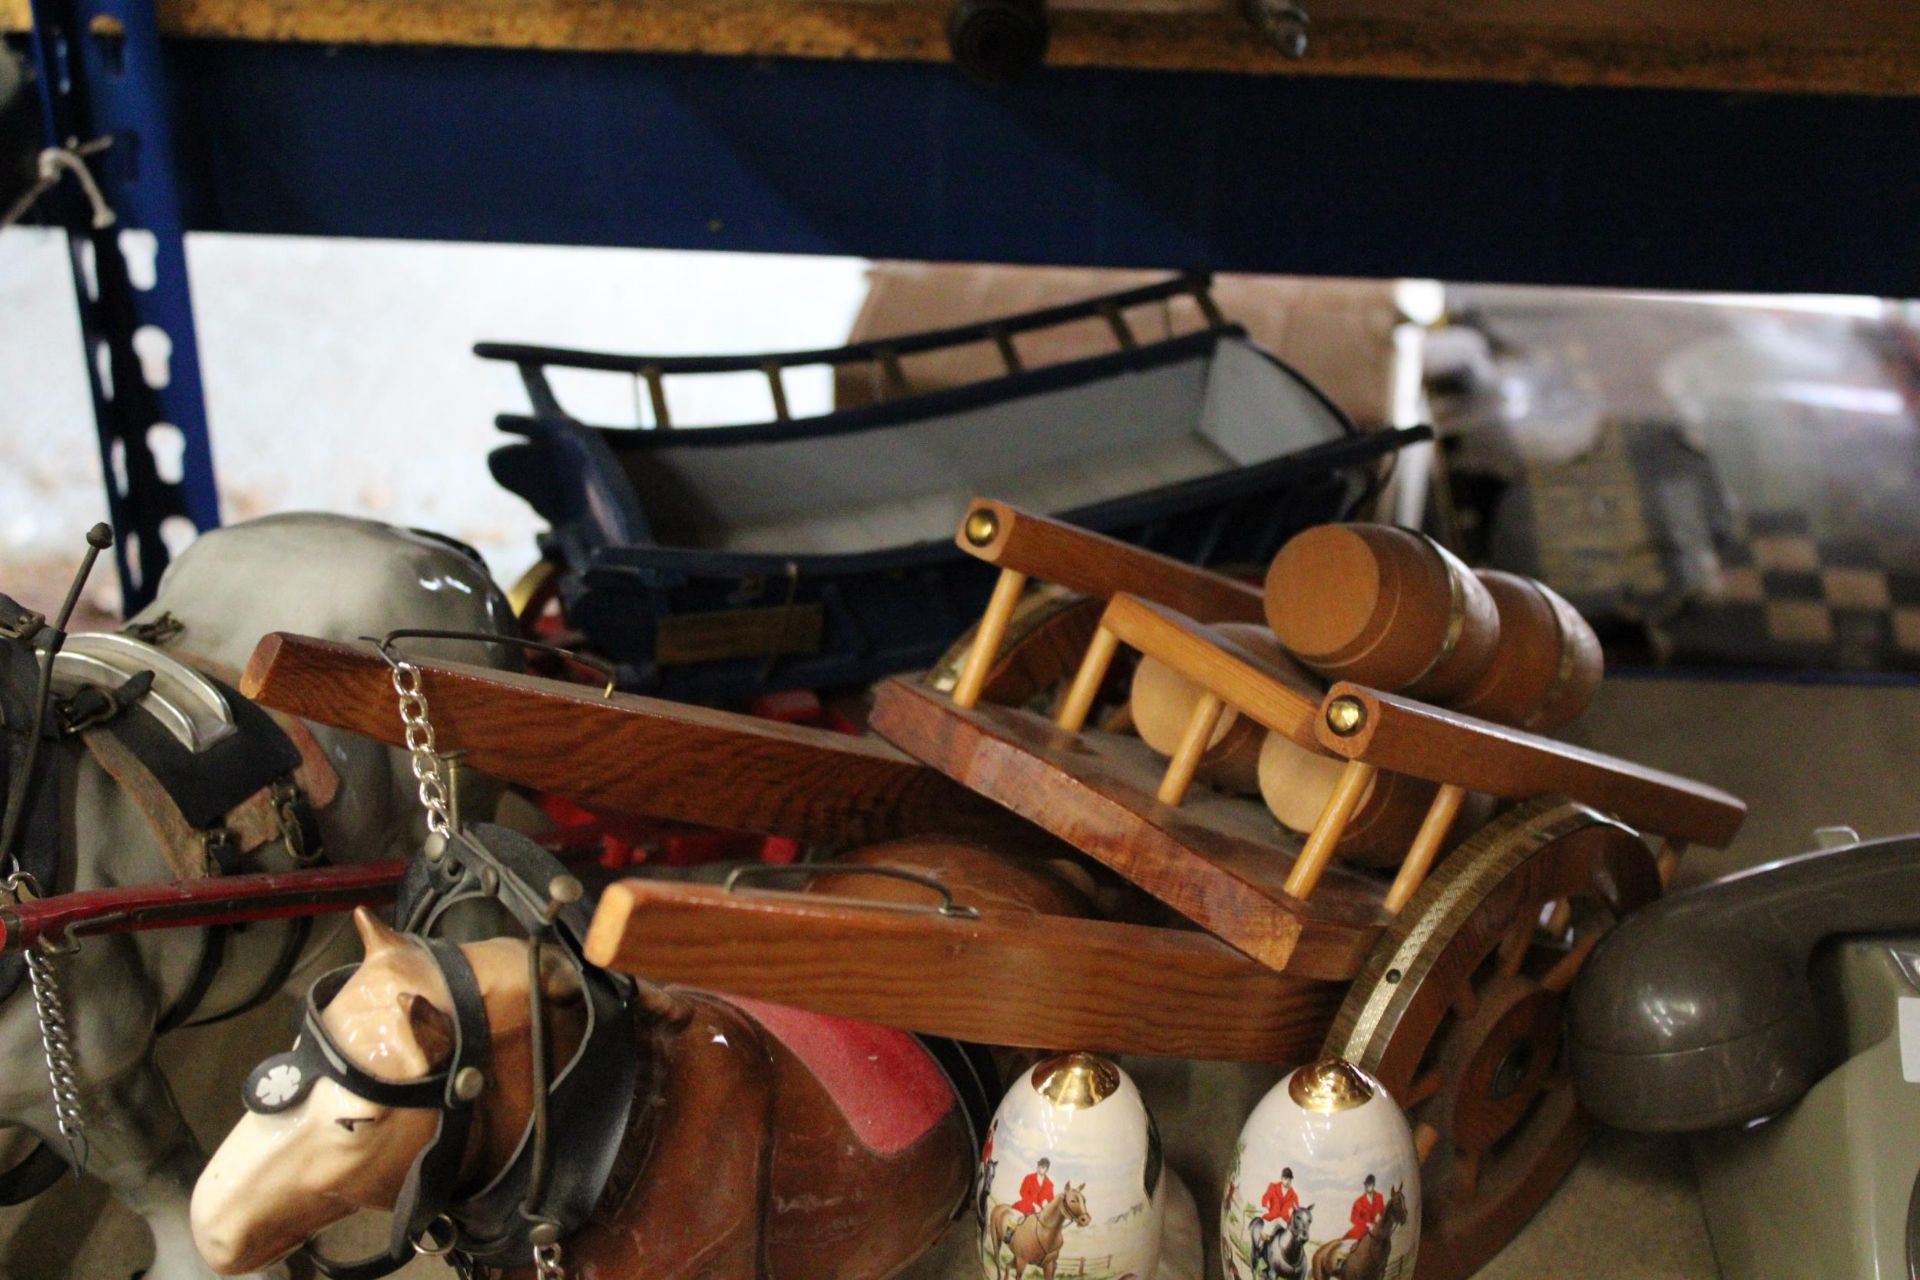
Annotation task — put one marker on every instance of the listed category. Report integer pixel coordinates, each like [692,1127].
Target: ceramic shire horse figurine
[321,575]
[763,1142]
[1367,1259]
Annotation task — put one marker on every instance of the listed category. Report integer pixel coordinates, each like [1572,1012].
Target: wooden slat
[637,755]
[1854,46]
[1081,560]
[1220,861]
[1408,736]
[1217,664]
[1009,977]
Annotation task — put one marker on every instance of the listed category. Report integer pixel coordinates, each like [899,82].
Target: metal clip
[285,796]
[813,870]
[27,625]
[1283,25]
[219,848]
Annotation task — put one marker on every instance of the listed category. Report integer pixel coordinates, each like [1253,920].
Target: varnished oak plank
[1430,742]
[1009,977]
[1220,861]
[1861,46]
[634,754]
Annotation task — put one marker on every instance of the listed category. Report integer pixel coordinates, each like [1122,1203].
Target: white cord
[55,163]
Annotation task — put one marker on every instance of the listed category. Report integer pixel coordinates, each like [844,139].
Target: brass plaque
[739,633]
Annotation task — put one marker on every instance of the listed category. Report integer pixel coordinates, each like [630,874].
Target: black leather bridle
[581,1109]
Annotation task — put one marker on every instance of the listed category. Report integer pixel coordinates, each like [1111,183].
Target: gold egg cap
[1331,1085]
[1076,1080]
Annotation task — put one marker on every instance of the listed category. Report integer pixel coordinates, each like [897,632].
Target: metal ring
[427,1247]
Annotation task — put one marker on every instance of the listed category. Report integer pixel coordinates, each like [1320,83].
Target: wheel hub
[1504,1055]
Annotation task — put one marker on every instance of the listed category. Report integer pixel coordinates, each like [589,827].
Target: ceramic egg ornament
[1325,1182]
[1070,1176]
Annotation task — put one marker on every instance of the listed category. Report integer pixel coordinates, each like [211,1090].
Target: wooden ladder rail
[1374,731]
[1027,546]
[1163,607]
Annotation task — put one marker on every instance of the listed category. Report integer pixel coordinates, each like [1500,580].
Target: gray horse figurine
[1280,1248]
[320,575]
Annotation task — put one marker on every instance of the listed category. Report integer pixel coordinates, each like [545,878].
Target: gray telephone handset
[1700,1011]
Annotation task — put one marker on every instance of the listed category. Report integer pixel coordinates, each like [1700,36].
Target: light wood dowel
[1567,967]
[1087,681]
[1669,860]
[781,412]
[1193,745]
[987,637]
[657,393]
[1426,846]
[1332,825]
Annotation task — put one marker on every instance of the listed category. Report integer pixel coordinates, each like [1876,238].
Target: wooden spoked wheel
[1046,638]
[1458,1012]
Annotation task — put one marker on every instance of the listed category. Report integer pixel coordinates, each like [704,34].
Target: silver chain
[429,772]
[56,1034]
[427,769]
[547,1263]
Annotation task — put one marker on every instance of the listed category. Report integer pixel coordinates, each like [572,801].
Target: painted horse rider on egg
[1036,1189]
[1366,1211]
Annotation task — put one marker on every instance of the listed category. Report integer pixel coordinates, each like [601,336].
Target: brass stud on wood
[1346,715]
[982,527]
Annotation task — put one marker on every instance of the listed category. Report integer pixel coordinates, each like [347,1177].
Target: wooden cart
[1445,978]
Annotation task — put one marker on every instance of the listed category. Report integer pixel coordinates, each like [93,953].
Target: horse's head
[283,1176]
[1396,1211]
[1074,1201]
[1301,1222]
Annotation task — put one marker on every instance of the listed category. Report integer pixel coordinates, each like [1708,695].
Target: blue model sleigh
[716,563]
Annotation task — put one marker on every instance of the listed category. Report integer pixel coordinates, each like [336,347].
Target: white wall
[339,374]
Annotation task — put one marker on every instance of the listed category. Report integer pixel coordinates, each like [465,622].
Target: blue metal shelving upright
[103,75]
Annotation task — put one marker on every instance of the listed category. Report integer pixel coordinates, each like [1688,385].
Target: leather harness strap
[585,1108]
[260,784]
[210,810]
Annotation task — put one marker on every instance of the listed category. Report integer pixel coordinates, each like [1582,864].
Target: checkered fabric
[1785,596]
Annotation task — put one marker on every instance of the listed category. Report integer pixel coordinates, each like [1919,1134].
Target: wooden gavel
[1393,610]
